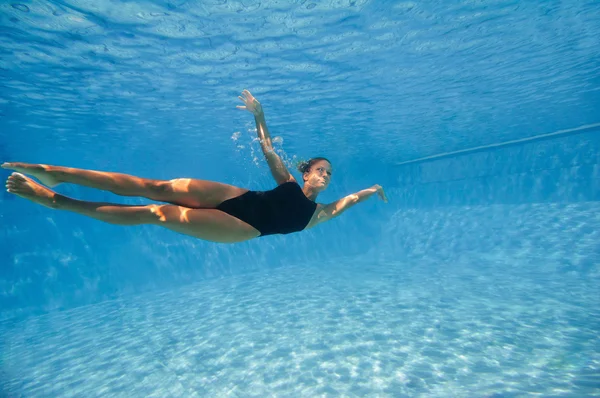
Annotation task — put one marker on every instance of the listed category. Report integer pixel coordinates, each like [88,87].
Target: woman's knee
[158,188]
[157,213]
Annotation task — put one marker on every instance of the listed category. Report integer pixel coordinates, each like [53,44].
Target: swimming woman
[204,209]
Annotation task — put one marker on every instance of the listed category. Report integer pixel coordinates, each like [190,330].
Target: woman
[204,209]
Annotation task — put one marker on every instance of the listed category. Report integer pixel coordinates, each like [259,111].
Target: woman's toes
[18,176]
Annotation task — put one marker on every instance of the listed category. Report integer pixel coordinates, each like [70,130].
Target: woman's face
[319,175]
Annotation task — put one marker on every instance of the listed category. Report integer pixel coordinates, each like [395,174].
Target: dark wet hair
[305,165]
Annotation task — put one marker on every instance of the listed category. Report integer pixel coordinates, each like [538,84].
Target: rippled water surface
[399,79]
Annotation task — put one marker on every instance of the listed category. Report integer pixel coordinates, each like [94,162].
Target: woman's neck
[310,192]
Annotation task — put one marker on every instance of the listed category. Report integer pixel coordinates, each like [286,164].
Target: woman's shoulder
[291,184]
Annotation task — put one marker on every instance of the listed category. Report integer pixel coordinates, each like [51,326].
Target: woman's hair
[305,165]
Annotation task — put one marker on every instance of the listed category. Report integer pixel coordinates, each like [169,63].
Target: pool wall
[535,203]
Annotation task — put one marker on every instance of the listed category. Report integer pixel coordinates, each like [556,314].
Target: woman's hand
[251,104]
[380,193]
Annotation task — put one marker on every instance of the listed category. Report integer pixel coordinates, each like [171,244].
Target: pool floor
[483,328]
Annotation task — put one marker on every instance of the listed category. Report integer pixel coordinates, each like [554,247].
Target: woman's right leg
[181,191]
[207,224]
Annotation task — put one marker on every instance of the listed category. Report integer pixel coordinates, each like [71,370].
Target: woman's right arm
[278,169]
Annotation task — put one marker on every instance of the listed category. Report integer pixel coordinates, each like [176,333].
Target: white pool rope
[579,129]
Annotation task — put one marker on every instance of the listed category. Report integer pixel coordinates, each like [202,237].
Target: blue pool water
[480,277]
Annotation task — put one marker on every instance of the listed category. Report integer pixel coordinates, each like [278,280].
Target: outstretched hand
[251,104]
[381,193]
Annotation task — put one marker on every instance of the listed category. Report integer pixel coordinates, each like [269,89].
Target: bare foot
[39,171]
[26,188]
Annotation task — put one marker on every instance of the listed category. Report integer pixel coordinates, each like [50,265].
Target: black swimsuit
[282,210]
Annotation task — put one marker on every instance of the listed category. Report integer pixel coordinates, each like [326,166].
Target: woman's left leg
[186,192]
[208,224]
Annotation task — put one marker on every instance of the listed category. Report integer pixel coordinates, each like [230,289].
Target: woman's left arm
[334,209]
